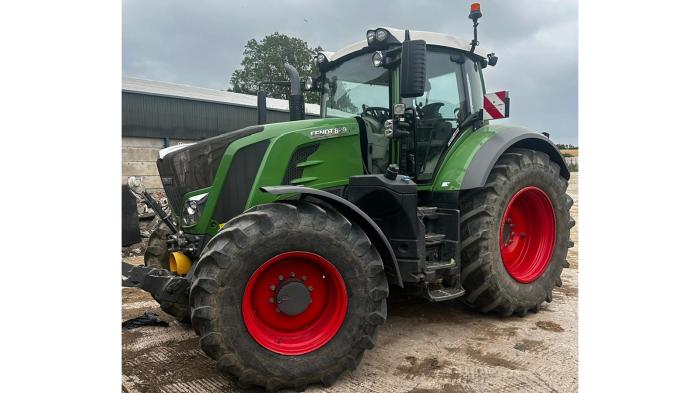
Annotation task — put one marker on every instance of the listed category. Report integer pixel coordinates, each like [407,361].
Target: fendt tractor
[283,239]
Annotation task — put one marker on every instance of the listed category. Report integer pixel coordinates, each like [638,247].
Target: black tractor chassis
[425,239]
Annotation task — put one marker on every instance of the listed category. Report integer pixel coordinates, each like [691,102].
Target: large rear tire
[515,235]
[288,295]
[157,255]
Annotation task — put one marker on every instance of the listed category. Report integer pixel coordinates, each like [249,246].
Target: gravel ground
[422,348]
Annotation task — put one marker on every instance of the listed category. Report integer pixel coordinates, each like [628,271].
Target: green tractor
[285,238]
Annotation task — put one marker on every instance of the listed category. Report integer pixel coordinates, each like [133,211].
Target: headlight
[378,59]
[381,35]
[192,209]
[388,128]
[370,36]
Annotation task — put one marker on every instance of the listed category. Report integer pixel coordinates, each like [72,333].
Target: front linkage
[170,291]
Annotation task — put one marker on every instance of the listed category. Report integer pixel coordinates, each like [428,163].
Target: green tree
[264,61]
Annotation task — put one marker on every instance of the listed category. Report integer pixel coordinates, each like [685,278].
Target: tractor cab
[369,79]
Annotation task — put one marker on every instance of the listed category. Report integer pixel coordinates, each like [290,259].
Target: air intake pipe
[296,99]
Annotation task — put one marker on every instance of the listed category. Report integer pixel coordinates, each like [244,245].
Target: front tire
[302,336]
[515,235]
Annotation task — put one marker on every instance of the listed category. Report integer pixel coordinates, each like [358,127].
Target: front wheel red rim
[294,303]
[527,234]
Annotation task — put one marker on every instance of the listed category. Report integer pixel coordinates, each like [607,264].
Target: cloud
[201,42]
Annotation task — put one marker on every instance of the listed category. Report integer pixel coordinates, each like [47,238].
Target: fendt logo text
[328,132]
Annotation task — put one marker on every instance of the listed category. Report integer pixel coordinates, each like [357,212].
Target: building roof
[431,38]
[166,89]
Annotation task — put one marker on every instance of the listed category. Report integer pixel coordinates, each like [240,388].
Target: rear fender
[470,160]
[352,212]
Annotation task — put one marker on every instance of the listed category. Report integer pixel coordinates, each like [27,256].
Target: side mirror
[413,54]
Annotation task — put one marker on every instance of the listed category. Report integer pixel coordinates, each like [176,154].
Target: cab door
[439,110]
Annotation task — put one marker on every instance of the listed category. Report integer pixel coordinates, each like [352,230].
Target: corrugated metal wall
[152,116]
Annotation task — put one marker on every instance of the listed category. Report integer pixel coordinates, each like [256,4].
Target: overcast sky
[200,43]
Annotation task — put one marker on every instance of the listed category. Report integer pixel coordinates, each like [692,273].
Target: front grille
[194,167]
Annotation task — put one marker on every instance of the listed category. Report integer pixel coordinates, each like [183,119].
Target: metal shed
[153,109]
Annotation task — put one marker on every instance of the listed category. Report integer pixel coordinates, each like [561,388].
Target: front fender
[469,161]
[352,212]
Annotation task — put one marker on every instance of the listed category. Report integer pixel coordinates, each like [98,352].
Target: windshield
[356,83]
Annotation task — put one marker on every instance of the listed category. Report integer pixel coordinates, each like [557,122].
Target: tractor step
[427,212]
[439,265]
[442,294]
[434,239]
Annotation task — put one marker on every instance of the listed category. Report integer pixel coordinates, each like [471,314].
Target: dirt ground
[422,348]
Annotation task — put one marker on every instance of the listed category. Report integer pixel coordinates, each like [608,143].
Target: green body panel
[331,165]
[337,158]
[458,158]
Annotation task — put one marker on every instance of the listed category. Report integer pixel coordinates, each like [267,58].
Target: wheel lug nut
[272,287]
[293,274]
[272,300]
[280,277]
[311,288]
[303,278]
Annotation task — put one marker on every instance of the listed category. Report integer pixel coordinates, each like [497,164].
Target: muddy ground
[422,348]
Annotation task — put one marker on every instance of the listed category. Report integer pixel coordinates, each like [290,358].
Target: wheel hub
[294,303]
[293,298]
[527,236]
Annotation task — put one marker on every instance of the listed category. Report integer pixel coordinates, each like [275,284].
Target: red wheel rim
[527,234]
[294,303]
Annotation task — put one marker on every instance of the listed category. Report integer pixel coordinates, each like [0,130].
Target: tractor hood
[186,168]
[194,166]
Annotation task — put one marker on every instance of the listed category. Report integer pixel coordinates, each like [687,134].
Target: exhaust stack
[296,99]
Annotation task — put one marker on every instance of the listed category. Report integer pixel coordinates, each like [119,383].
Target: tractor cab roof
[431,38]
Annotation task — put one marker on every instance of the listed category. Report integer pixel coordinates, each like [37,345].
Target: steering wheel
[432,110]
[377,112]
